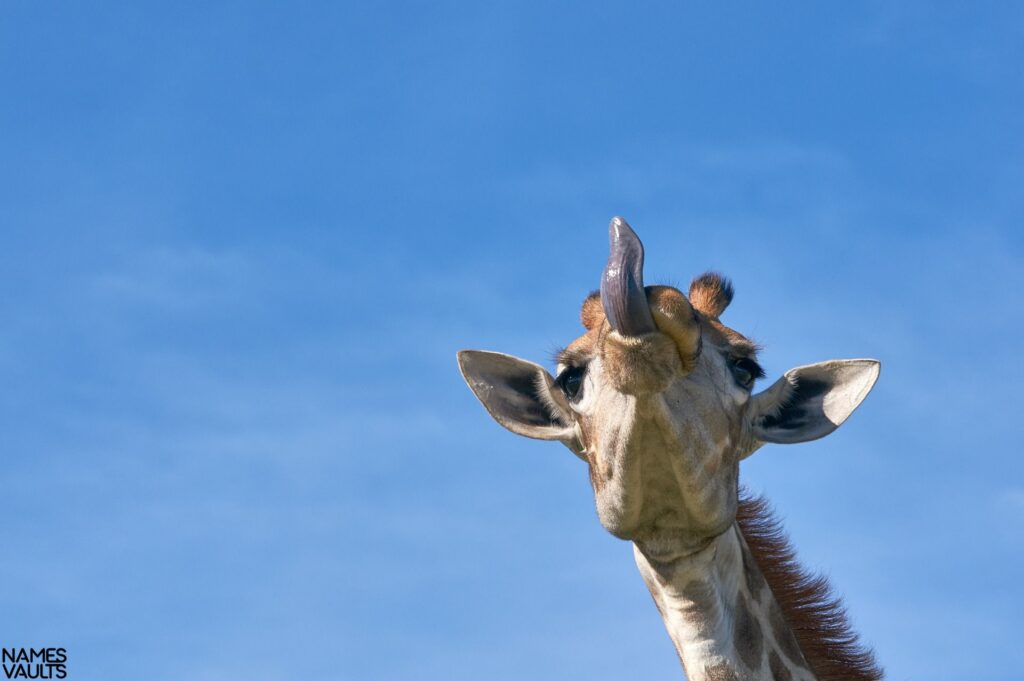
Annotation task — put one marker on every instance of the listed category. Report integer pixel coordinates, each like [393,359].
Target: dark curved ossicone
[622,285]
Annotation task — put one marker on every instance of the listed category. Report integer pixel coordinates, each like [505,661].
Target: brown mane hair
[815,614]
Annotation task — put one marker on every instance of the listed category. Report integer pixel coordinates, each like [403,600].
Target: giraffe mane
[816,615]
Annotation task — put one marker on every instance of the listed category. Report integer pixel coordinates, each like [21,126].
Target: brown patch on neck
[814,614]
[747,635]
[720,672]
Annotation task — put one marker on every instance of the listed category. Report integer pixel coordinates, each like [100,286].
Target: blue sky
[240,244]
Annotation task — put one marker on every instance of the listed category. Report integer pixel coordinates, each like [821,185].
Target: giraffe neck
[720,614]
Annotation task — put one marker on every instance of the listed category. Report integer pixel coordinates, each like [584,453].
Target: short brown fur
[816,616]
[592,313]
[711,293]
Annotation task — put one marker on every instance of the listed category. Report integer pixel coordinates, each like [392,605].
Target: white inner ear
[850,382]
[851,390]
[811,401]
[500,383]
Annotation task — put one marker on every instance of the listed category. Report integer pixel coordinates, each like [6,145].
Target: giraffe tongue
[622,285]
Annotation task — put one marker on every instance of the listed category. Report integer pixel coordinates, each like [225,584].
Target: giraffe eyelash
[570,358]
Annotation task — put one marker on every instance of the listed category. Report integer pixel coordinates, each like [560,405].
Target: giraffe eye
[571,381]
[746,371]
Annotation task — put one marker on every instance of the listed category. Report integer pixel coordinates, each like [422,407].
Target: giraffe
[657,398]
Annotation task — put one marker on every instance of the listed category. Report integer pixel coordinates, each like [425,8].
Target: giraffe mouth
[622,284]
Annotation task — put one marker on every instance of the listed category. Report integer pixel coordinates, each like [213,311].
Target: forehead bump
[710,294]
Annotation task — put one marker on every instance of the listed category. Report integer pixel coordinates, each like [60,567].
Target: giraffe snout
[641,365]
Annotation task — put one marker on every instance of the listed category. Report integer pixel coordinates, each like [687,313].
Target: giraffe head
[657,397]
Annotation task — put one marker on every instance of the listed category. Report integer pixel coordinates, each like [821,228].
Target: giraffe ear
[520,395]
[810,402]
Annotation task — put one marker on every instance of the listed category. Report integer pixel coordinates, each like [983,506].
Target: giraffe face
[661,417]
[657,397]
